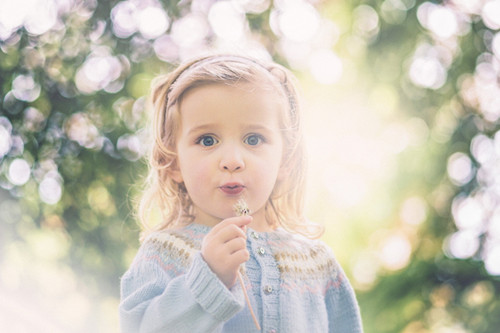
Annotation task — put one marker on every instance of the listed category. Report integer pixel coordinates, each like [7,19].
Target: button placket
[269,279]
[268,289]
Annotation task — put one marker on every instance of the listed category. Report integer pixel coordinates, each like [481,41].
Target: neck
[259,222]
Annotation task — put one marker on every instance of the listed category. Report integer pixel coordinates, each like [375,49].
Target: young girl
[226,129]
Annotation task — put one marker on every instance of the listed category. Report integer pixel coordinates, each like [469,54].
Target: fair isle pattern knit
[294,284]
[303,268]
[173,251]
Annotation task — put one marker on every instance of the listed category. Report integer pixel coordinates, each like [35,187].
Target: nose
[232,159]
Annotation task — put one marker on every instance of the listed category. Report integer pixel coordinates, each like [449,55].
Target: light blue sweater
[294,284]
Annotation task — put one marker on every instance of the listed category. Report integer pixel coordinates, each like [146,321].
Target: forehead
[242,104]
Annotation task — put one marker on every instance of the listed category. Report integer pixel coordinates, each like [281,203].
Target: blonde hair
[285,206]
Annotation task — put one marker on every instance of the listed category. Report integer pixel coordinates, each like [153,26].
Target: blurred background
[401,105]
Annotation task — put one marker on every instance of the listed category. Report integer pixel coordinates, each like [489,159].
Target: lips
[232,188]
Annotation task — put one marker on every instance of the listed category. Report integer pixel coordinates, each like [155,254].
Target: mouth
[232,188]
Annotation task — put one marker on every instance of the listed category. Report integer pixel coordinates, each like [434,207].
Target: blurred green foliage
[73,109]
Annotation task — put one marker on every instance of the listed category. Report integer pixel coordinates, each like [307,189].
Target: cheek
[197,171]
[268,168]
[201,175]
[193,179]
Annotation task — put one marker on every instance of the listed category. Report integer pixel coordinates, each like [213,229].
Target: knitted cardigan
[294,284]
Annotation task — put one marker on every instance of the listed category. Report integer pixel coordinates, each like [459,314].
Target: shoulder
[287,242]
[185,238]
[172,249]
[173,243]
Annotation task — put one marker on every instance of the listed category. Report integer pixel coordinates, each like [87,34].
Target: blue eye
[253,140]
[207,141]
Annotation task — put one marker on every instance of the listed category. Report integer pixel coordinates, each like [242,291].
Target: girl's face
[229,147]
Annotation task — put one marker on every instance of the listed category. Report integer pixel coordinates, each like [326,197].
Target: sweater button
[261,251]
[268,290]
[254,235]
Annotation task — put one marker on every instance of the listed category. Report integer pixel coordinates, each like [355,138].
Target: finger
[235,245]
[218,241]
[230,232]
[239,257]
[239,221]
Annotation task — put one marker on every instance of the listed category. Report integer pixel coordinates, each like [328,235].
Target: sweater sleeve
[342,306]
[155,300]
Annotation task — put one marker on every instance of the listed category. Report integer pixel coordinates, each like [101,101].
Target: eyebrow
[210,126]
[201,128]
[258,127]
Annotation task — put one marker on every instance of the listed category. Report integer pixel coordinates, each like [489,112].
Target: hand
[224,248]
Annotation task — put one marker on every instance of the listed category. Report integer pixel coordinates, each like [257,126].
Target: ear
[176,176]
[175,173]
